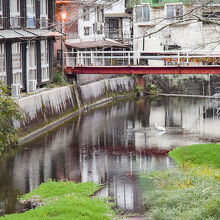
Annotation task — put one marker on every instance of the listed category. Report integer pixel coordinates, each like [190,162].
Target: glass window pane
[170,11]
[138,13]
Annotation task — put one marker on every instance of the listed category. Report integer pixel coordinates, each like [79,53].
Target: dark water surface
[110,145]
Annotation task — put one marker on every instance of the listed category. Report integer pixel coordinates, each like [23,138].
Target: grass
[191,191]
[65,200]
[205,154]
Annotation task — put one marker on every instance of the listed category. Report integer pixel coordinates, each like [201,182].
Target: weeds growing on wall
[59,78]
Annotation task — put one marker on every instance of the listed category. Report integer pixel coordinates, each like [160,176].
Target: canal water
[110,145]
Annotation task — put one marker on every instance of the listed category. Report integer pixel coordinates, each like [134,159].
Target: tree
[9,111]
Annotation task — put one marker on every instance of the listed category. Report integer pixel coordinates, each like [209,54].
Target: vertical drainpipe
[27,67]
[143,43]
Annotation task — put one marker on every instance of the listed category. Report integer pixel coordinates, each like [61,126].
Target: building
[100,26]
[118,23]
[27,35]
[93,27]
[173,26]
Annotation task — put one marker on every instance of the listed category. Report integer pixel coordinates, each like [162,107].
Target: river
[112,145]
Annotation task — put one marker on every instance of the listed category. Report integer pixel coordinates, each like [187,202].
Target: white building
[185,33]
[100,24]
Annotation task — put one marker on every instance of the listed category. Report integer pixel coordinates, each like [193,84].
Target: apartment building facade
[173,26]
[27,35]
[100,25]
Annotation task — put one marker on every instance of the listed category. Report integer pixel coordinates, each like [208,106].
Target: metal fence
[141,58]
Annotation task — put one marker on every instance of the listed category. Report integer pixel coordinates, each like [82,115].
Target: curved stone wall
[45,107]
[105,88]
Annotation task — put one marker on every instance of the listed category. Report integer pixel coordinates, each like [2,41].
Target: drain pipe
[27,68]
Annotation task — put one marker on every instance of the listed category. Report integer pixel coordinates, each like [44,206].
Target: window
[98,28]
[3,77]
[211,15]
[142,13]
[114,28]
[43,13]
[175,11]
[113,23]
[15,13]
[86,30]
[44,61]
[16,64]
[32,72]
[100,15]
[86,14]
[30,13]
[1,18]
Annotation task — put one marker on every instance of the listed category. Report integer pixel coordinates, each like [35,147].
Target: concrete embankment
[51,107]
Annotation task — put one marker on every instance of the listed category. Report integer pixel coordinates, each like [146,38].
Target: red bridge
[140,62]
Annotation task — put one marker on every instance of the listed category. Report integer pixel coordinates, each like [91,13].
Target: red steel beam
[142,70]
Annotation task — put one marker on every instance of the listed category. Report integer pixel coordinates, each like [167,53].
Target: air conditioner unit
[15,90]
[32,85]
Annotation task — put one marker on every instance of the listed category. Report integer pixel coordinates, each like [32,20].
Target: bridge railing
[141,58]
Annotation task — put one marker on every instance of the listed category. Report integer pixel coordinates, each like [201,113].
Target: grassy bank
[191,191]
[65,200]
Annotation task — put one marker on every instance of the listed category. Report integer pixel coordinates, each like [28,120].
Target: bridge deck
[139,70]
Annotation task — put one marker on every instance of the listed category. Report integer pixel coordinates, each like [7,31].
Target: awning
[118,15]
[13,34]
[26,34]
[95,44]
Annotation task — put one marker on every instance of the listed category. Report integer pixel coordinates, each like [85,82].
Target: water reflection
[105,146]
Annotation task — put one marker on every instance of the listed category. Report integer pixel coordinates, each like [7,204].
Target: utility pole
[63,18]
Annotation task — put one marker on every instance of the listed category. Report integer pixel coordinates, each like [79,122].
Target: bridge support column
[141,82]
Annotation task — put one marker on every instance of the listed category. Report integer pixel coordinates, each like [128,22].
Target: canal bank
[53,107]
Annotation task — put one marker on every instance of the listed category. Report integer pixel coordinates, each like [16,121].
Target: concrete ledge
[189,96]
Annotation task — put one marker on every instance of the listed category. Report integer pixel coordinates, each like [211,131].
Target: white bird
[160,128]
[216,95]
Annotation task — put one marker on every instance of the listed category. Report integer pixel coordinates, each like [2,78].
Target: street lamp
[63,15]
[63,18]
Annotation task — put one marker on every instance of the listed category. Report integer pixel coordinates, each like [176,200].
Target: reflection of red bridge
[139,62]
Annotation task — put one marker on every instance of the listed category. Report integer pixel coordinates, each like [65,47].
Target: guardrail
[141,58]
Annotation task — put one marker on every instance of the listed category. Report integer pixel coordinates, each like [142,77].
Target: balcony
[117,35]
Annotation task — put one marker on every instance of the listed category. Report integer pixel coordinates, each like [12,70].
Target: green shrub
[8,110]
